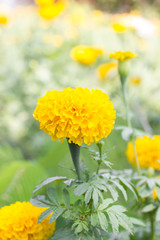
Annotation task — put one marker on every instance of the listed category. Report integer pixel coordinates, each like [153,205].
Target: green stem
[75,153]
[129,123]
[152,221]
[100,155]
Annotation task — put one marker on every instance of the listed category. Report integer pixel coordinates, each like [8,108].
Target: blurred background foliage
[35,57]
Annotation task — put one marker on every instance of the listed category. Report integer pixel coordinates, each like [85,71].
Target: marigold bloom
[3,19]
[51,11]
[19,222]
[76,114]
[86,54]
[148,152]
[120,28]
[44,2]
[105,69]
[123,56]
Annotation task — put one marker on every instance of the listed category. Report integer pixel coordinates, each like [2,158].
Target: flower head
[19,221]
[49,9]
[76,114]
[3,19]
[105,69]
[86,54]
[148,152]
[120,28]
[123,56]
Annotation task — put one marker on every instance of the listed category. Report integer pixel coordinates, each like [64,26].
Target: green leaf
[103,221]
[128,185]
[113,221]
[105,204]
[66,198]
[88,194]
[125,222]
[51,192]
[137,222]
[113,192]
[95,197]
[82,188]
[158,215]
[148,208]
[58,211]
[121,188]
[78,229]
[47,181]
[117,209]
[40,201]
[45,214]
[94,219]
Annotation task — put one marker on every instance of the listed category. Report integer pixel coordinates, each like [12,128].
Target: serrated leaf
[105,204]
[57,212]
[103,221]
[78,229]
[114,222]
[100,186]
[121,188]
[148,208]
[125,222]
[95,197]
[47,181]
[52,195]
[94,219]
[158,215]
[66,198]
[128,185]
[45,214]
[82,188]
[117,209]
[137,222]
[40,201]
[88,194]
[113,192]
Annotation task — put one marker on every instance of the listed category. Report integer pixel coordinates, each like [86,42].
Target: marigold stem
[129,123]
[75,153]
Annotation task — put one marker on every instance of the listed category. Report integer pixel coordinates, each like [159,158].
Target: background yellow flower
[105,69]
[19,221]
[86,54]
[123,56]
[148,152]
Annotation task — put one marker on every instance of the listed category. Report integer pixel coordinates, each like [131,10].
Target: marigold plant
[123,56]
[148,152]
[19,222]
[76,114]
[86,54]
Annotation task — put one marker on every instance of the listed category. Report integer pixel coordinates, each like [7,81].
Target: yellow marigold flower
[148,152]
[135,80]
[76,114]
[120,28]
[105,69]
[3,19]
[44,2]
[51,11]
[123,56]
[86,54]
[19,222]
